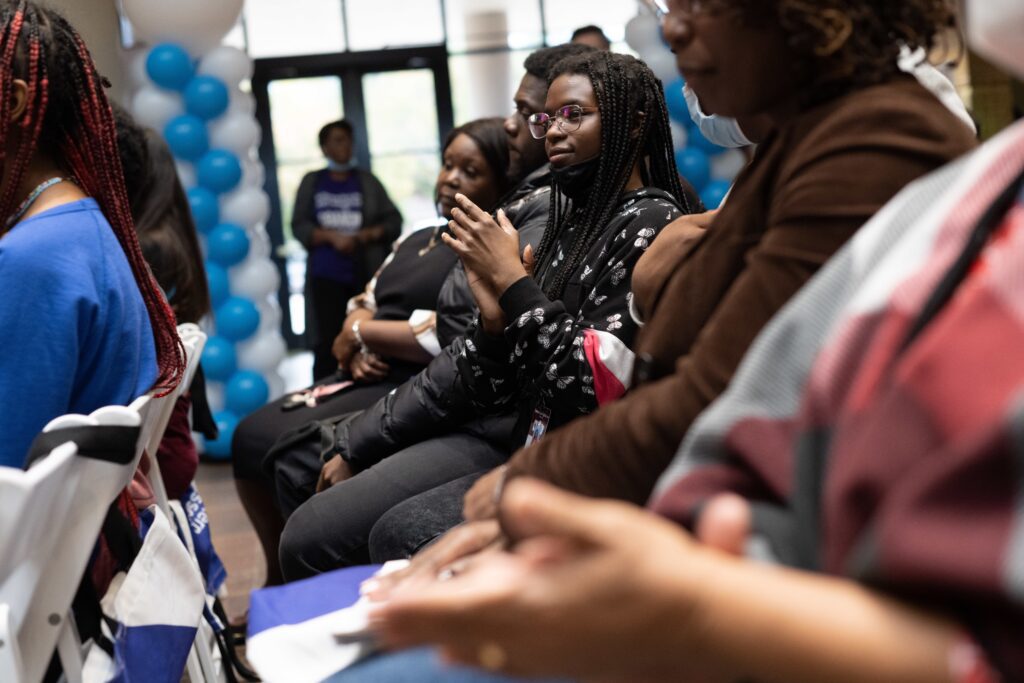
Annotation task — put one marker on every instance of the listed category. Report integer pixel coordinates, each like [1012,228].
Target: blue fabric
[416,666]
[338,205]
[151,654]
[301,601]
[74,331]
[214,573]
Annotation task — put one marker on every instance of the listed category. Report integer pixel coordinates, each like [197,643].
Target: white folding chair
[55,532]
[30,504]
[193,339]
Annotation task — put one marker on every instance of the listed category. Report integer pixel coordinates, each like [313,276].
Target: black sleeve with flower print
[576,356]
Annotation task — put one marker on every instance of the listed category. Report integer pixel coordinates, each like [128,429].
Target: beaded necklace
[435,239]
[31,199]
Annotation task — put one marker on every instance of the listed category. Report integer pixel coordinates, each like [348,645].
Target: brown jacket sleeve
[803,197]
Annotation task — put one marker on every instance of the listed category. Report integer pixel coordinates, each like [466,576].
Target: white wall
[96,21]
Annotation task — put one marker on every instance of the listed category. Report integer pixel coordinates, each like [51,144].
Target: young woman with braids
[83,324]
[553,348]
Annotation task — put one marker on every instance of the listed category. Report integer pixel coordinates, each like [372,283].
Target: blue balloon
[696,139]
[169,66]
[187,138]
[227,245]
[206,97]
[219,171]
[694,165]
[713,194]
[237,319]
[217,279]
[676,102]
[220,448]
[205,209]
[218,359]
[246,391]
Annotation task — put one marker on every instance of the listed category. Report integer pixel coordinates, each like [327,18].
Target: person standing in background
[346,220]
[592,36]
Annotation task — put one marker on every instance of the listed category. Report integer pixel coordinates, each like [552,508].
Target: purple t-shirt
[338,205]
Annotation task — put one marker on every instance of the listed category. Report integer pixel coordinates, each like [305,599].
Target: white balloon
[241,101]
[259,242]
[186,174]
[263,353]
[196,25]
[275,384]
[236,132]
[227,63]
[246,206]
[255,278]
[215,395]
[728,164]
[680,136]
[662,63]
[253,173]
[137,68]
[153,107]
[270,315]
[643,33]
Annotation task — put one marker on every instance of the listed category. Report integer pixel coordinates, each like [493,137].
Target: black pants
[408,527]
[330,300]
[332,529]
[257,433]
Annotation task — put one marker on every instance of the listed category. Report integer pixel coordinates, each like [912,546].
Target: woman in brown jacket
[847,131]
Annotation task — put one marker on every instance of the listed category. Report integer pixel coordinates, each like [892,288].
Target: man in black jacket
[300,470]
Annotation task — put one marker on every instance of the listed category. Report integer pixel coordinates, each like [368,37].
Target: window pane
[562,17]
[297,27]
[401,111]
[299,107]
[372,24]
[482,24]
[409,180]
[483,84]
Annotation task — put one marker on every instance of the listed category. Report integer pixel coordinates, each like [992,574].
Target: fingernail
[369,586]
[459,197]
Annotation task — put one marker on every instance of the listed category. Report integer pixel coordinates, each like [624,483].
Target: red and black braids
[68,118]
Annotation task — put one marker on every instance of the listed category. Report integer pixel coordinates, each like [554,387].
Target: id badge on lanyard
[538,425]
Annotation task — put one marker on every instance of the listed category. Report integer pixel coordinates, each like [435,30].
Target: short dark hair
[492,141]
[340,124]
[540,61]
[590,28]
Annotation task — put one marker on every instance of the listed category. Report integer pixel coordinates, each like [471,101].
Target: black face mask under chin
[575,180]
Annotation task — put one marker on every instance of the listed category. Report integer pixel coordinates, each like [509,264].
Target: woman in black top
[393,318]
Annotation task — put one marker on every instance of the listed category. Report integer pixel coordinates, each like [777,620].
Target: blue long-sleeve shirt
[74,331]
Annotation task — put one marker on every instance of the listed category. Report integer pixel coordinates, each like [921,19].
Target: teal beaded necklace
[32,197]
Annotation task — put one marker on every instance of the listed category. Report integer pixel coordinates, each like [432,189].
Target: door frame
[349,67]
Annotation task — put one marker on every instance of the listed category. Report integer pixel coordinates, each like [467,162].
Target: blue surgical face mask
[335,167]
[720,130]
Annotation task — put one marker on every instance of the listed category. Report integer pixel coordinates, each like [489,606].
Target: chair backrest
[193,339]
[50,567]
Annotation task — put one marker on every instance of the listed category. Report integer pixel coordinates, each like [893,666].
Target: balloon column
[708,167]
[188,87]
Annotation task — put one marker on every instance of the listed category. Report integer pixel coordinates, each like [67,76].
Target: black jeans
[332,529]
[260,430]
[330,299]
[407,528]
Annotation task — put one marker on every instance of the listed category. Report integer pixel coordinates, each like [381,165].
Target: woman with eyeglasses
[547,348]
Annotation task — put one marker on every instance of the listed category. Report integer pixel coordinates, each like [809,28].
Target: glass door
[399,102]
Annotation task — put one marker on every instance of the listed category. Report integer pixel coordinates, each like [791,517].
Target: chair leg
[69,649]
[10,656]
[205,647]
